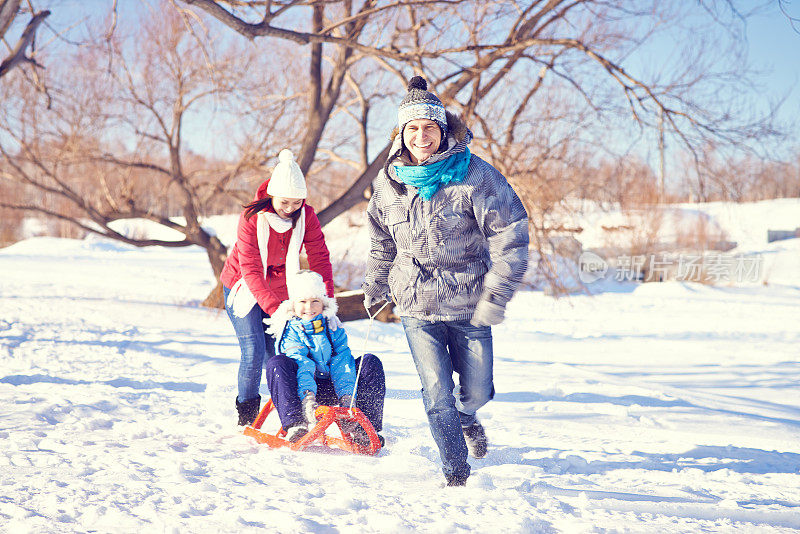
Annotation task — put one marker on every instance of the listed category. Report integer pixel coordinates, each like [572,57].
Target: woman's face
[308,308]
[285,207]
[422,138]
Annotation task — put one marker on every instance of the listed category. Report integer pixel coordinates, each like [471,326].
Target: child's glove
[309,407]
[345,401]
[334,323]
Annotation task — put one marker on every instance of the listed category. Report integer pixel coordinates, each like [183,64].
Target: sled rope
[364,351]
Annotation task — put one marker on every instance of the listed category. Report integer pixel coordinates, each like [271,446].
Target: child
[313,364]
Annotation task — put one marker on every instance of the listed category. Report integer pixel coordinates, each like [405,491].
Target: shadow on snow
[24,380]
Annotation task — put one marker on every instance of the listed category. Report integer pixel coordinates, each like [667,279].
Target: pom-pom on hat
[287,179]
[420,103]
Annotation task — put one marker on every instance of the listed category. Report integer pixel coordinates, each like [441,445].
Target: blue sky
[775,46]
[772,42]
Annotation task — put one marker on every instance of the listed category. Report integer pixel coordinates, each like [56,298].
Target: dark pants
[281,372]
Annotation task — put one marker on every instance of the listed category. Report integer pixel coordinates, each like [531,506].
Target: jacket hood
[261,192]
[458,137]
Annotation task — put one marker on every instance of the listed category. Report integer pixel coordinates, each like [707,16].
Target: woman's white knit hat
[287,179]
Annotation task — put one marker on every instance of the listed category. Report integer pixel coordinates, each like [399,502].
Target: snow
[663,407]
[745,223]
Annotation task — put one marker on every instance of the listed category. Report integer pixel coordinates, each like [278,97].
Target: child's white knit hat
[287,179]
[308,284]
[301,285]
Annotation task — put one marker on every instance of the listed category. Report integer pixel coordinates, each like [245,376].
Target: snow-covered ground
[669,407]
[745,224]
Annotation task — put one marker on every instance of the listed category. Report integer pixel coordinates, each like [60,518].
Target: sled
[326,416]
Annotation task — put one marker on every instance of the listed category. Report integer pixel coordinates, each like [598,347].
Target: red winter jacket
[245,258]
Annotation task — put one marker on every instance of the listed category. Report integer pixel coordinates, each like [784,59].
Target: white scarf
[241,300]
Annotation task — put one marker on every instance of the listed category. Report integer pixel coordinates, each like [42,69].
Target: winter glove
[369,301]
[240,299]
[334,323]
[345,401]
[488,313]
[309,407]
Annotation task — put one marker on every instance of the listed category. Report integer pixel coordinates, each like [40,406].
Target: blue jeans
[255,343]
[440,348]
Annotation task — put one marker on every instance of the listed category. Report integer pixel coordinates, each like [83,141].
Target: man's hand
[488,313]
[369,301]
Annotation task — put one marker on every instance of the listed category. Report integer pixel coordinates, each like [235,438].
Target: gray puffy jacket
[438,258]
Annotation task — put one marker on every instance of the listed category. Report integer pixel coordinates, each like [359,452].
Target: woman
[272,230]
[449,244]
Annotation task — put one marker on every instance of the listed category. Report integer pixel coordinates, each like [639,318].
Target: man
[449,245]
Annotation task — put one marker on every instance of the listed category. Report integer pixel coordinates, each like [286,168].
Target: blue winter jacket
[318,351]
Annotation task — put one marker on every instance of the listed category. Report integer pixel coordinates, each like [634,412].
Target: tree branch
[355,193]
[17,55]
[8,12]
[108,232]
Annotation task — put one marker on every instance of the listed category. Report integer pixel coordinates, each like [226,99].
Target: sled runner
[326,416]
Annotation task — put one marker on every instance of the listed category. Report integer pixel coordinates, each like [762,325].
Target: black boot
[475,436]
[248,410]
[457,480]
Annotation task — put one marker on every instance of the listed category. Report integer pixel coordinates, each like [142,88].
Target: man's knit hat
[287,179]
[420,103]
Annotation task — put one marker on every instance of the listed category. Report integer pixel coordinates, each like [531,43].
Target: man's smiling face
[422,138]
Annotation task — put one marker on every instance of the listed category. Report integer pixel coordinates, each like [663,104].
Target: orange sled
[326,416]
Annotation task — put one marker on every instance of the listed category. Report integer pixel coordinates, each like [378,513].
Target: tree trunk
[215,298]
[351,308]
[217,253]
[17,54]
[8,12]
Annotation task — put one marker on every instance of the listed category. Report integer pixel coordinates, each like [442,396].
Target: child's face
[308,308]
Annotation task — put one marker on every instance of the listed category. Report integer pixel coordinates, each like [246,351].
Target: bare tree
[792,15]
[542,83]
[112,143]
[722,176]
[478,53]
[9,11]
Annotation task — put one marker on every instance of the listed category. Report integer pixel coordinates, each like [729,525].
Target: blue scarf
[429,178]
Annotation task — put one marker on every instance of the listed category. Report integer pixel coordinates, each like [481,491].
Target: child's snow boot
[310,406]
[359,436]
[457,480]
[296,432]
[357,433]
